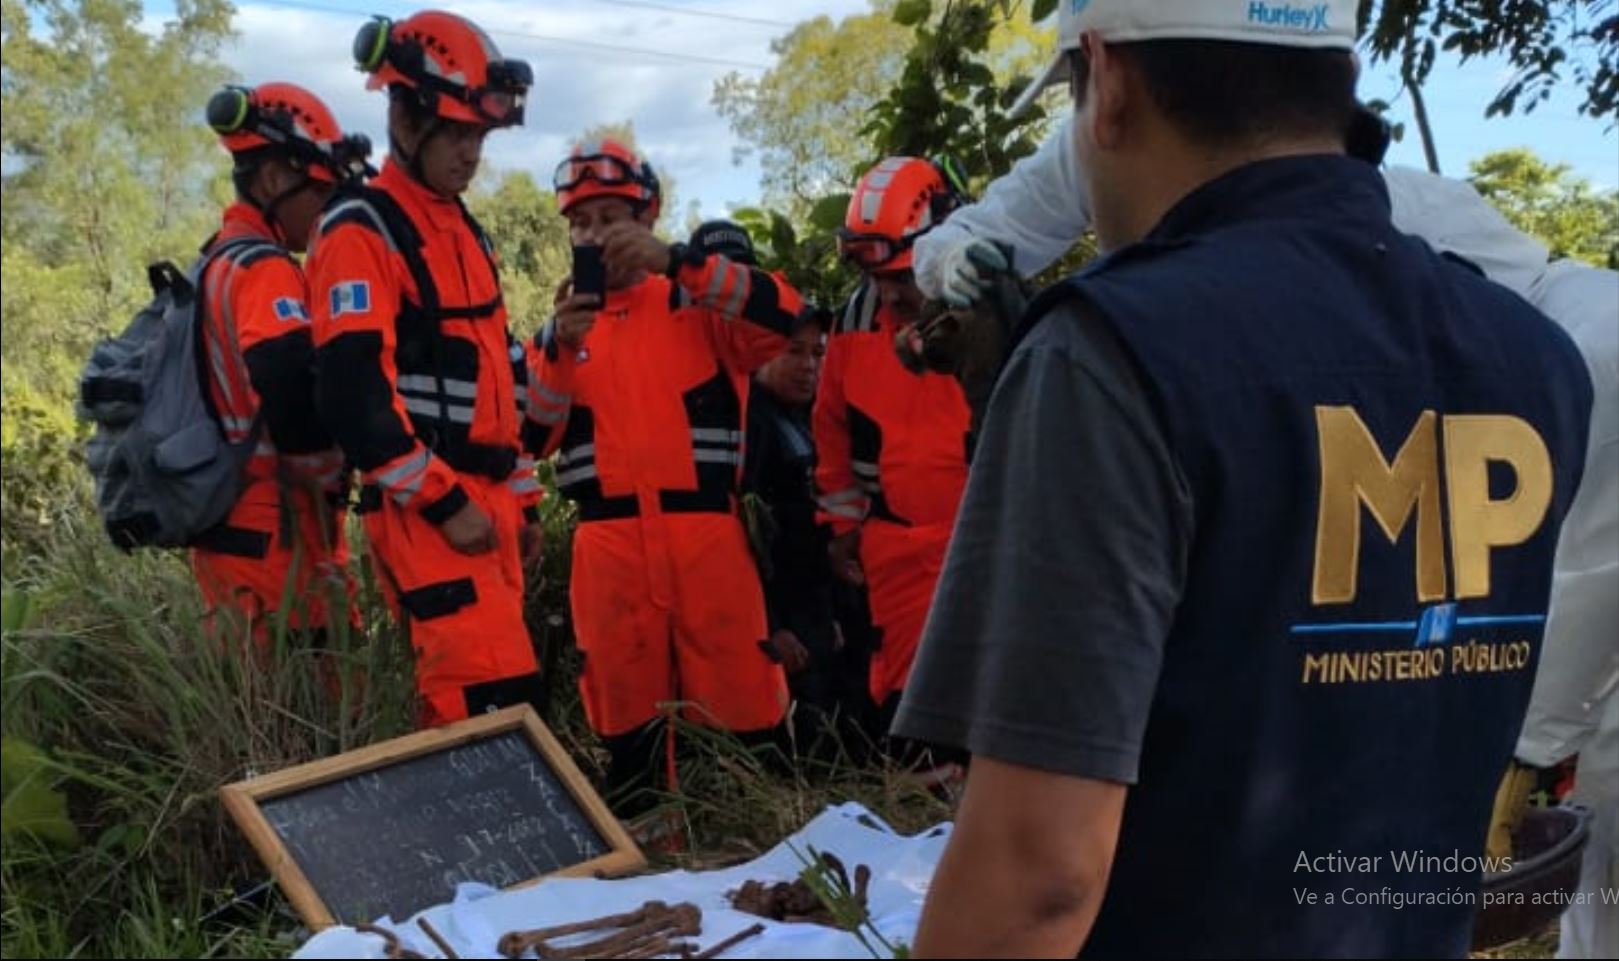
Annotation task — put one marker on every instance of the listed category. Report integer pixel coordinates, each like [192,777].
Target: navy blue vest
[1380,447]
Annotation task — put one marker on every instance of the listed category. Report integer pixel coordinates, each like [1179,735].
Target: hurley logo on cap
[1312,24]
[1288,16]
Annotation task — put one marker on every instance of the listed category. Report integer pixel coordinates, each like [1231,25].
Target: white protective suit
[1040,209]
[1575,705]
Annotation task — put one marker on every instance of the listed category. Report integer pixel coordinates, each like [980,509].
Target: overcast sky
[588,70]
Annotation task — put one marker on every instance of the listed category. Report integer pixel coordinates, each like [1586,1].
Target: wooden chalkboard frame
[242,800]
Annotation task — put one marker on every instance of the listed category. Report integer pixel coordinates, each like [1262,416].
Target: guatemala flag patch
[290,309]
[351,297]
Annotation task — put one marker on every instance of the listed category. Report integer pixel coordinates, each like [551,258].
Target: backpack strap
[405,238]
[235,252]
[165,278]
[238,252]
[402,236]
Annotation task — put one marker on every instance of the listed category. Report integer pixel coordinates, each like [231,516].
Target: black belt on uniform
[235,541]
[670,502]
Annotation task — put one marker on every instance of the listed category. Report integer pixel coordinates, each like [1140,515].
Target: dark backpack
[164,469]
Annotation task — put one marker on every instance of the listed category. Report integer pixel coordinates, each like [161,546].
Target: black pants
[637,769]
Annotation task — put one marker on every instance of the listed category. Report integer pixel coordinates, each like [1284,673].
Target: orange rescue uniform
[421,388]
[648,418]
[281,547]
[892,461]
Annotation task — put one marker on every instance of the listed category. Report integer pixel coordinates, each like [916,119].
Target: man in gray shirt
[1162,586]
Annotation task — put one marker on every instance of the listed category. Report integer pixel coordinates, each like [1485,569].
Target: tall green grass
[120,702]
[140,716]
[122,718]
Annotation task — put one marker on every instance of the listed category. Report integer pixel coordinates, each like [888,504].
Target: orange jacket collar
[441,212]
[242,219]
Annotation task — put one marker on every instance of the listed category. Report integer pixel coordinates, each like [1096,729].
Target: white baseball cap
[1323,24]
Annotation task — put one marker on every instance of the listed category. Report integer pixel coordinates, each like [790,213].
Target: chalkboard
[392,828]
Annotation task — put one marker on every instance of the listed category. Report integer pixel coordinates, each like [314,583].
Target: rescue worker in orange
[645,395]
[891,444]
[418,375]
[283,538]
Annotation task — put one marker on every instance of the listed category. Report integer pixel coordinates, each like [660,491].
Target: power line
[546,38]
[697,12]
[639,51]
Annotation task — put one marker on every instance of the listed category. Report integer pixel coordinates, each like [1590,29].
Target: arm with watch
[752,312]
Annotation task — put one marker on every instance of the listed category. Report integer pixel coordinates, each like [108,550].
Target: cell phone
[589,273]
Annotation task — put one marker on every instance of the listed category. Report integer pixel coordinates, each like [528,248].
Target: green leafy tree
[809,118]
[107,168]
[952,84]
[532,240]
[1546,201]
[949,99]
[803,117]
[1546,43]
[102,130]
[807,258]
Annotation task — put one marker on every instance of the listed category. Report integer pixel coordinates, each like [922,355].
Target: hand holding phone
[589,271]
[631,248]
[575,314]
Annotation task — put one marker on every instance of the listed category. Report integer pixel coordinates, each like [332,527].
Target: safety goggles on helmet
[342,162]
[351,157]
[604,169]
[872,251]
[499,102]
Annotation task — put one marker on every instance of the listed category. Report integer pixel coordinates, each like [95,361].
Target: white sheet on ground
[900,867]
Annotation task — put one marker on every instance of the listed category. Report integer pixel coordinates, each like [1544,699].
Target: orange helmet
[896,202]
[605,168]
[288,117]
[451,64]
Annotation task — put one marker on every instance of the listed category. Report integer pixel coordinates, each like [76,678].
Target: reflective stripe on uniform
[432,408]
[577,474]
[427,384]
[849,502]
[716,435]
[577,454]
[415,464]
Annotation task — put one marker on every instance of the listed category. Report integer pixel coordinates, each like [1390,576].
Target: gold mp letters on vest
[1353,472]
